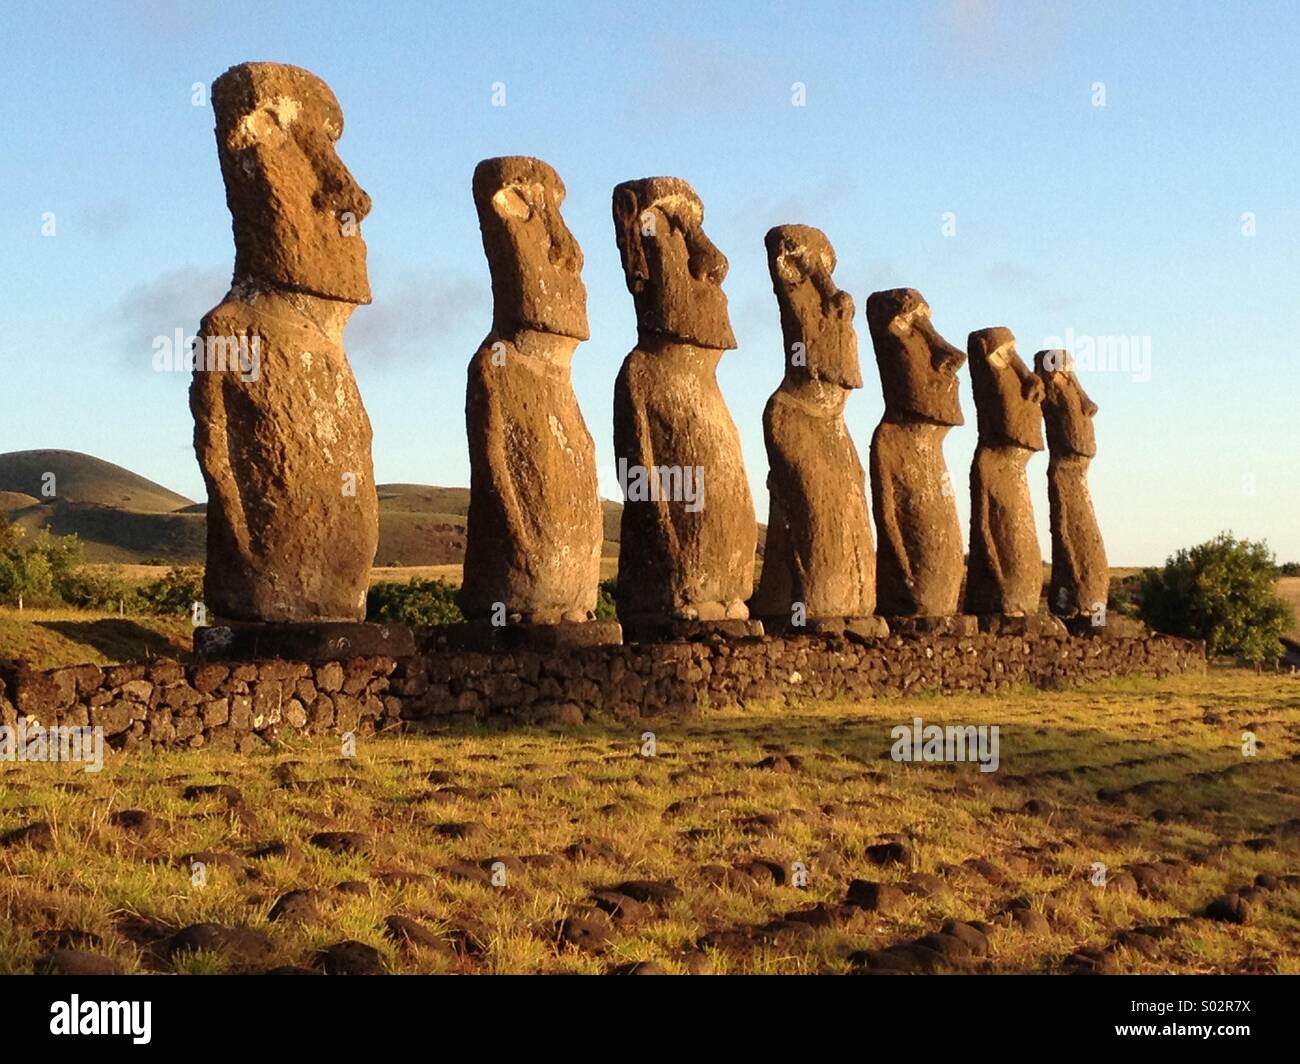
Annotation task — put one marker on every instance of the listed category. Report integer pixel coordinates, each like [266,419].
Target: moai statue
[1004,574]
[688,528]
[535,528]
[279,429]
[819,566]
[1080,580]
[919,559]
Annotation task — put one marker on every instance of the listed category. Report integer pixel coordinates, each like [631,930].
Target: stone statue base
[954,624]
[486,637]
[857,627]
[306,641]
[1020,624]
[1116,627]
[669,630]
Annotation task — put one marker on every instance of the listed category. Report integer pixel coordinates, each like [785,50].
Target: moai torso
[919,554]
[1005,570]
[281,434]
[534,529]
[688,530]
[1080,580]
[819,560]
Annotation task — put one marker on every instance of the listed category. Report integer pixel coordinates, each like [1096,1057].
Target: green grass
[538,792]
[48,638]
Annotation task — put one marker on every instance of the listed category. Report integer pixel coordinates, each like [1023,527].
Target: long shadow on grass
[116,639]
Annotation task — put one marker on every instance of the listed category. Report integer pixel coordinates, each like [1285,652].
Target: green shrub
[1125,593]
[174,593]
[606,599]
[98,589]
[1221,591]
[418,603]
[32,570]
[1289,569]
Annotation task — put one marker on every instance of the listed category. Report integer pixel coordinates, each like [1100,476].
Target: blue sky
[1117,220]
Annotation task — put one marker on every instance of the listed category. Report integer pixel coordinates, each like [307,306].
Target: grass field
[1127,774]
[47,639]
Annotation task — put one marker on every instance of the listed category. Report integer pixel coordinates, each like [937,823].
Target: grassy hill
[124,519]
[82,478]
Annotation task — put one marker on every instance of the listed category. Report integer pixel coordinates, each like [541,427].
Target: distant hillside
[85,479]
[125,519]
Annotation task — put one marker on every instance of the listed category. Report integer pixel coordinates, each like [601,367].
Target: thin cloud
[412,317]
[177,299]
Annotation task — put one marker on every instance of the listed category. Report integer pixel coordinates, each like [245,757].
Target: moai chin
[919,562]
[279,428]
[819,565]
[688,526]
[534,529]
[1080,580]
[1004,573]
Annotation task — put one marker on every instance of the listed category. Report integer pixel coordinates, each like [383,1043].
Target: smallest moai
[1080,580]
[1004,573]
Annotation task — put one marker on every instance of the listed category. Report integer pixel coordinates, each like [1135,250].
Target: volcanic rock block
[919,556]
[316,642]
[281,435]
[534,528]
[1005,571]
[819,560]
[688,526]
[1080,580]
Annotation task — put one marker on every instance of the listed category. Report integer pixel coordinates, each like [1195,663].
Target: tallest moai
[280,432]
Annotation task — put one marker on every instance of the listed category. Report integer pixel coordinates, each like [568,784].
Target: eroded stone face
[816,315]
[819,559]
[1005,571]
[296,208]
[1080,580]
[673,269]
[918,367]
[919,563]
[687,549]
[280,433]
[1066,407]
[535,262]
[534,528]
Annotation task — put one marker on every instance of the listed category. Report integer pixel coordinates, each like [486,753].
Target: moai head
[1066,407]
[673,270]
[297,210]
[918,367]
[536,264]
[1008,396]
[816,316]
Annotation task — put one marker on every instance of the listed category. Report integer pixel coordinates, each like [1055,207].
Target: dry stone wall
[234,706]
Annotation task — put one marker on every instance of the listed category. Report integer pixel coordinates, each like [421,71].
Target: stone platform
[312,642]
[490,638]
[659,630]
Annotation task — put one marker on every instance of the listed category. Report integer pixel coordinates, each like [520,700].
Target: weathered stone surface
[567,685]
[819,559]
[919,563]
[688,526]
[1005,569]
[1080,580]
[280,432]
[486,637]
[534,528]
[312,642]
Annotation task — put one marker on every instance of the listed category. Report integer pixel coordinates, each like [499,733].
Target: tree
[1221,591]
[34,571]
[418,603]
